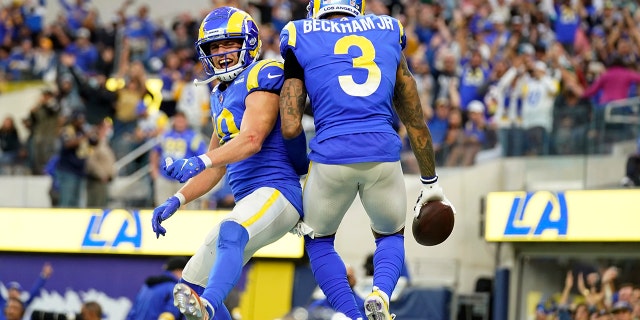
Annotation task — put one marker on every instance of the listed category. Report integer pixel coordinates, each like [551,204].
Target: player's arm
[205,181]
[407,103]
[293,97]
[193,189]
[261,113]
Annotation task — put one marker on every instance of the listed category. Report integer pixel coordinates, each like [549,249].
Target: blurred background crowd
[497,78]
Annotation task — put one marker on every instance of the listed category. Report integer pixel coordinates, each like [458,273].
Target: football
[434,223]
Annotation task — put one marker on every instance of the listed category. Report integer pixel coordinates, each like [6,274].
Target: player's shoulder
[267,74]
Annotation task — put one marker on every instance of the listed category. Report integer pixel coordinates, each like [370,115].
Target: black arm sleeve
[292,68]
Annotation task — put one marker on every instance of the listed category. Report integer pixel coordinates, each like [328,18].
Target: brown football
[434,223]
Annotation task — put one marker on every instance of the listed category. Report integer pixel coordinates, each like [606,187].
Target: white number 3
[365,61]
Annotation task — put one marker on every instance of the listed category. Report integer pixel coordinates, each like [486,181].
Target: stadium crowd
[599,295]
[516,77]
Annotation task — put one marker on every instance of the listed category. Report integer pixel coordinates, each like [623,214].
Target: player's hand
[431,191]
[162,213]
[184,169]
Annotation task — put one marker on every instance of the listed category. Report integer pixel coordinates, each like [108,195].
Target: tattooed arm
[407,103]
[293,97]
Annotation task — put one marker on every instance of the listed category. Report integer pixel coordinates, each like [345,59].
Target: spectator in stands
[151,123]
[85,52]
[21,61]
[178,143]
[615,83]
[155,298]
[537,91]
[10,145]
[622,310]
[15,292]
[13,309]
[76,13]
[99,101]
[100,167]
[439,125]
[446,78]
[44,61]
[75,143]
[571,122]
[139,32]
[455,132]
[194,102]
[91,310]
[43,123]
[500,98]
[475,137]
[474,75]
[68,96]
[171,75]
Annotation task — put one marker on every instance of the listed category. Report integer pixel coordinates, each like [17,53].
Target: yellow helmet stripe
[292,34]
[364,5]
[201,30]
[316,8]
[235,22]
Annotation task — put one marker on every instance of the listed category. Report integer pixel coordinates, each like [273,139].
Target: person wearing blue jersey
[177,143]
[248,146]
[352,67]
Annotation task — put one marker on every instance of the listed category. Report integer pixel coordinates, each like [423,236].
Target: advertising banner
[574,216]
[118,231]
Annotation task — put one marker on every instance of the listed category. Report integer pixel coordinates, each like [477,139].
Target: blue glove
[162,213]
[184,169]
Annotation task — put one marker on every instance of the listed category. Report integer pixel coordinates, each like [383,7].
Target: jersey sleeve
[287,38]
[403,35]
[266,75]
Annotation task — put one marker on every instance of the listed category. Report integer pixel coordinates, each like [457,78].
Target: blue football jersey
[350,69]
[270,167]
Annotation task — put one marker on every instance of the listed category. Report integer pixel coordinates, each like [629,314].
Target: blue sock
[388,260]
[227,268]
[222,313]
[331,275]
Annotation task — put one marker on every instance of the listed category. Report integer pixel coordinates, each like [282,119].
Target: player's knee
[232,232]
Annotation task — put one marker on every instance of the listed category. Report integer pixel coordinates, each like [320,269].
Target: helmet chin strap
[203,82]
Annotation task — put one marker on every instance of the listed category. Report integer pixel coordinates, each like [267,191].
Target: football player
[248,146]
[352,67]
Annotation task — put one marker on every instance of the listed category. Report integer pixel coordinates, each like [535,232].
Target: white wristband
[206,160]
[181,198]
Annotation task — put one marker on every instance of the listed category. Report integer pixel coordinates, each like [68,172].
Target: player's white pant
[329,191]
[266,214]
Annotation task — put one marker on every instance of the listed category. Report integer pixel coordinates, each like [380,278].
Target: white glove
[431,191]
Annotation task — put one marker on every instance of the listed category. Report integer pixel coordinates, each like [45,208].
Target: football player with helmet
[352,67]
[248,147]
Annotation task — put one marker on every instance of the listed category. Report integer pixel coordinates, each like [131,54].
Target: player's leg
[384,199]
[257,220]
[328,194]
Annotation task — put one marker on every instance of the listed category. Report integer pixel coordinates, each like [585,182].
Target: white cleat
[376,306]
[190,304]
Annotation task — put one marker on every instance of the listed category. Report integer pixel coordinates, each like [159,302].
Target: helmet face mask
[319,8]
[226,23]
